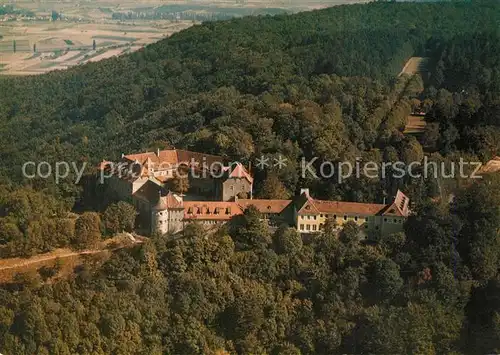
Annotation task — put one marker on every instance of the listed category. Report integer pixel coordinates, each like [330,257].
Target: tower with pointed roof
[236,182]
[168,214]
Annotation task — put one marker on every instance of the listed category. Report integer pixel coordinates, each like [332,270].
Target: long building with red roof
[144,177]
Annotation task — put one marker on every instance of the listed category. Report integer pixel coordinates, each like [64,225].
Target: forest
[321,84]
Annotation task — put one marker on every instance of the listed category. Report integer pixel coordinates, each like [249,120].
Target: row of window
[309,227]
[171,220]
[334,216]
[314,227]
[395,220]
[346,217]
[181,214]
[216,210]
[179,220]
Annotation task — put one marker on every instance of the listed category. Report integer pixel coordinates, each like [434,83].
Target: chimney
[123,155]
[158,152]
[305,191]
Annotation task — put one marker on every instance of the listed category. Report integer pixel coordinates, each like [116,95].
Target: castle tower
[168,214]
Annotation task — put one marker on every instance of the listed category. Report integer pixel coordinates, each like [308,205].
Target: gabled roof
[170,201]
[172,157]
[399,207]
[264,206]
[211,210]
[163,156]
[307,205]
[238,171]
[348,208]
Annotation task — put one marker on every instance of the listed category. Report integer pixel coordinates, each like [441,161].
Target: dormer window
[228,210]
[198,210]
[190,210]
[216,210]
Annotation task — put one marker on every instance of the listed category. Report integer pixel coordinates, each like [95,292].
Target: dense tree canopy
[318,84]
[235,293]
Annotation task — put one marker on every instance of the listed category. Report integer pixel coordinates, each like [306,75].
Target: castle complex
[216,192]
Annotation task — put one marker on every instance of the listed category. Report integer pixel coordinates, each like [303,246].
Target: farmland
[37,37]
[41,46]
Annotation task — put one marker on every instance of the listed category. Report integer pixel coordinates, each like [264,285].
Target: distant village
[212,197]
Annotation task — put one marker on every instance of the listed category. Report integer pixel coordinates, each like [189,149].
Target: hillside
[280,58]
[322,84]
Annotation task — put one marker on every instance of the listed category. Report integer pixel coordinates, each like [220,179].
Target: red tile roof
[340,208]
[307,205]
[239,171]
[264,206]
[170,201]
[211,210]
[399,207]
[171,158]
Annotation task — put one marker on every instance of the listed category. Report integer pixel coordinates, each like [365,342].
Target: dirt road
[19,263]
